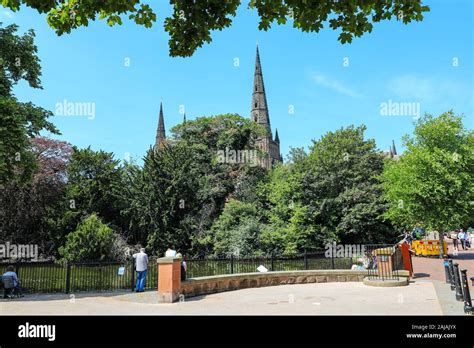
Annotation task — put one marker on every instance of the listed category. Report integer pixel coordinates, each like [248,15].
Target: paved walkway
[427,294]
[447,299]
[352,298]
[432,267]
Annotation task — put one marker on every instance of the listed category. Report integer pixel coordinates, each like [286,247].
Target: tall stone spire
[184,118]
[160,133]
[259,112]
[394,150]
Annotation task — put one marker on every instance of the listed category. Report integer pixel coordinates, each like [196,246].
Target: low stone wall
[208,285]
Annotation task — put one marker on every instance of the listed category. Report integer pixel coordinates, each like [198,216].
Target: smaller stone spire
[277,138]
[394,150]
[184,118]
[160,133]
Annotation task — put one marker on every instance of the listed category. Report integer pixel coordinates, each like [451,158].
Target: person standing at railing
[141,265]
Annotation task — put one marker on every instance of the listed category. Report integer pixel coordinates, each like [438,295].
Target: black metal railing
[231,265]
[63,277]
[383,262]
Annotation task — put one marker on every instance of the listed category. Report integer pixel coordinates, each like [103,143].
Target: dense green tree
[93,177]
[219,132]
[94,184]
[331,194]
[19,121]
[288,229]
[91,241]
[236,231]
[184,185]
[191,22]
[168,206]
[432,185]
[342,188]
[246,183]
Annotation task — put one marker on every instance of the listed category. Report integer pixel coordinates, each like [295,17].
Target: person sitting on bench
[14,288]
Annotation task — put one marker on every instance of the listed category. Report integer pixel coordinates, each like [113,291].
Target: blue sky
[402,63]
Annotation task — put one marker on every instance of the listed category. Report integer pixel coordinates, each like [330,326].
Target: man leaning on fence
[141,264]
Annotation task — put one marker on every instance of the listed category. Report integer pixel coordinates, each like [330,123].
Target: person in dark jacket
[183,266]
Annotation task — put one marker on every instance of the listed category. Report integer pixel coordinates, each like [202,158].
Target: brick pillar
[169,279]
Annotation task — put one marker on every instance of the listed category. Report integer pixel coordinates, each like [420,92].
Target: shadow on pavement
[60,296]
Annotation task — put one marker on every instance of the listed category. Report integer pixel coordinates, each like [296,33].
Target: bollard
[446,271]
[466,293]
[457,280]
[451,274]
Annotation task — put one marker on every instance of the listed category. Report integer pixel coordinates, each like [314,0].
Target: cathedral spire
[394,150]
[160,133]
[259,99]
[259,114]
[184,118]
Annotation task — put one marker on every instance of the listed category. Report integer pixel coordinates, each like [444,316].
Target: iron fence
[383,262]
[309,260]
[61,277]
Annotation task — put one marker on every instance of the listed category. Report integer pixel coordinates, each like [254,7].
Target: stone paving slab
[349,298]
[447,299]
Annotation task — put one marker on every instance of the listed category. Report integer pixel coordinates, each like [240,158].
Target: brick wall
[209,285]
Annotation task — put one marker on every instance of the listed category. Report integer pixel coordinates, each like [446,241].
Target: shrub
[91,241]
